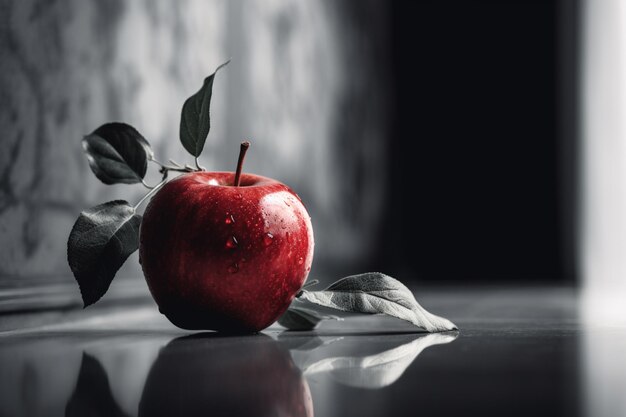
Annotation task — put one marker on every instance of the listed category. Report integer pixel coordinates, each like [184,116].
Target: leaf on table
[117,153]
[101,240]
[195,120]
[377,293]
[302,318]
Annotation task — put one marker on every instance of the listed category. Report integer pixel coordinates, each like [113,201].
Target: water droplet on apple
[268,239]
[233,269]
[238,196]
[231,243]
[229,219]
[300,260]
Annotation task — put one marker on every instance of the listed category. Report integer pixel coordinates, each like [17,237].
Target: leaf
[117,153]
[101,240]
[195,120]
[376,293]
[302,318]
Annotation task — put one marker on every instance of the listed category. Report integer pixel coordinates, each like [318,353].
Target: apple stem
[242,154]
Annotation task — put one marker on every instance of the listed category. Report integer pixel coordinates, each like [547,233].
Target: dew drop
[300,260]
[233,269]
[231,243]
[229,219]
[268,239]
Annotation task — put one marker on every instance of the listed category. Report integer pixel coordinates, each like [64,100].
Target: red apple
[224,257]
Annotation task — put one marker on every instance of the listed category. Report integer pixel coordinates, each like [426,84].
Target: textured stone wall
[304,86]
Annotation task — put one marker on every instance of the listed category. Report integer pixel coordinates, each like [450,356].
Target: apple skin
[219,257]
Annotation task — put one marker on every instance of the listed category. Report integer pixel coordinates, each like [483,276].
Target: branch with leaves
[104,236]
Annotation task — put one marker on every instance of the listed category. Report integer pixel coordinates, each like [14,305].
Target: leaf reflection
[92,396]
[371,371]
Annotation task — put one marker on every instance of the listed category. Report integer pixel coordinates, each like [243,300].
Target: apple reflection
[208,374]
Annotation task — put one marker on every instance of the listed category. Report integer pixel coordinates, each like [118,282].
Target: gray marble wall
[307,85]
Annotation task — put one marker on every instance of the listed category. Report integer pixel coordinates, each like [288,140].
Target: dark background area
[435,141]
[482,154]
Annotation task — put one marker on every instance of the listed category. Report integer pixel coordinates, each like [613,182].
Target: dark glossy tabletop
[518,353]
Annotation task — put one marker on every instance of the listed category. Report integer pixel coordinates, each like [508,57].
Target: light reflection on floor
[518,353]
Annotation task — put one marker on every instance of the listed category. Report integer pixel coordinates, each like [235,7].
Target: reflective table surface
[518,353]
